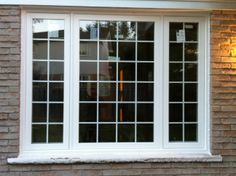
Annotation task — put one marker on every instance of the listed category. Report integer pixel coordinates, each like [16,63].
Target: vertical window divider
[136,84]
[48,84]
[183,88]
[98,79]
[117,83]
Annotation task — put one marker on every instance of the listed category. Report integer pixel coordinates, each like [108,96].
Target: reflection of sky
[85,24]
[41,25]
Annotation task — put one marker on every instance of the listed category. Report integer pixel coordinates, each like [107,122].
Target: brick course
[223,108]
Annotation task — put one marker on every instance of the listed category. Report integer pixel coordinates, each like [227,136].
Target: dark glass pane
[88,71]
[191,51]
[126,91]
[190,72]
[175,112]
[125,133]
[107,91]
[88,30]
[88,50]
[55,112]
[191,31]
[190,92]
[145,72]
[145,31]
[56,50]
[176,72]
[39,70]
[126,51]
[107,30]
[126,71]
[87,133]
[190,111]
[40,49]
[145,133]
[190,132]
[38,133]
[88,112]
[176,52]
[56,71]
[175,133]
[126,112]
[107,112]
[40,28]
[107,51]
[88,91]
[145,51]
[174,28]
[175,92]
[39,112]
[55,133]
[56,92]
[107,71]
[144,112]
[39,91]
[126,30]
[58,29]
[57,34]
[107,133]
[145,92]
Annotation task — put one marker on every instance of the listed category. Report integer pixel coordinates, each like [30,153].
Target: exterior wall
[223,112]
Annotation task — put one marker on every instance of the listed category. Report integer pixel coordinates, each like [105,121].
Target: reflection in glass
[88,50]
[88,30]
[88,91]
[40,49]
[56,71]
[56,50]
[145,31]
[190,132]
[125,133]
[190,72]
[107,51]
[107,91]
[126,30]
[144,112]
[39,70]
[107,133]
[107,112]
[56,92]
[126,51]
[145,51]
[87,112]
[126,71]
[39,91]
[126,112]
[175,132]
[191,31]
[176,72]
[107,71]
[56,112]
[174,28]
[145,71]
[190,93]
[39,112]
[191,51]
[175,112]
[145,92]
[55,133]
[145,133]
[190,111]
[175,92]
[88,71]
[107,30]
[38,133]
[126,91]
[87,133]
[176,52]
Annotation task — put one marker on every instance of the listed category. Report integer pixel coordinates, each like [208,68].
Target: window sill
[116,158]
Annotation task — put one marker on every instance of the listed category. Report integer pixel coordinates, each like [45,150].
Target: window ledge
[117,158]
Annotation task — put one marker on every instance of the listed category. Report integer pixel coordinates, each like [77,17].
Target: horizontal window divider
[181,62]
[183,102]
[193,82]
[194,123]
[51,102]
[48,60]
[119,61]
[127,102]
[112,123]
[47,123]
[194,42]
[101,81]
[48,39]
[46,81]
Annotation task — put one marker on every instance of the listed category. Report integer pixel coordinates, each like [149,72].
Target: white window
[115,83]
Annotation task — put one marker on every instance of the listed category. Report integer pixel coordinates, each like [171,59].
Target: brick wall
[223,109]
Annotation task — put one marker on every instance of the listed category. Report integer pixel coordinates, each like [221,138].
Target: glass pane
[107,112]
[55,112]
[145,72]
[126,30]
[176,72]
[56,29]
[88,50]
[126,91]
[88,71]
[145,133]
[55,133]
[190,72]
[107,51]
[176,52]
[88,91]
[191,51]
[88,30]
[126,51]
[190,132]
[56,50]
[145,31]
[38,133]
[175,112]
[144,112]
[39,70]
[125,133]
[145,92]
[56,92]
[87,133]
[107,30]
[175,92]
[190,111]
[107,91]
[126,71]
[107,133]
[107,71]
[126,112]
[145,51]
[191,31]
[56,71]
[40,49]
[39,112]
[174,28]
[88,112]
[40,28]
[39,91]
[190,93]
[176,133]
